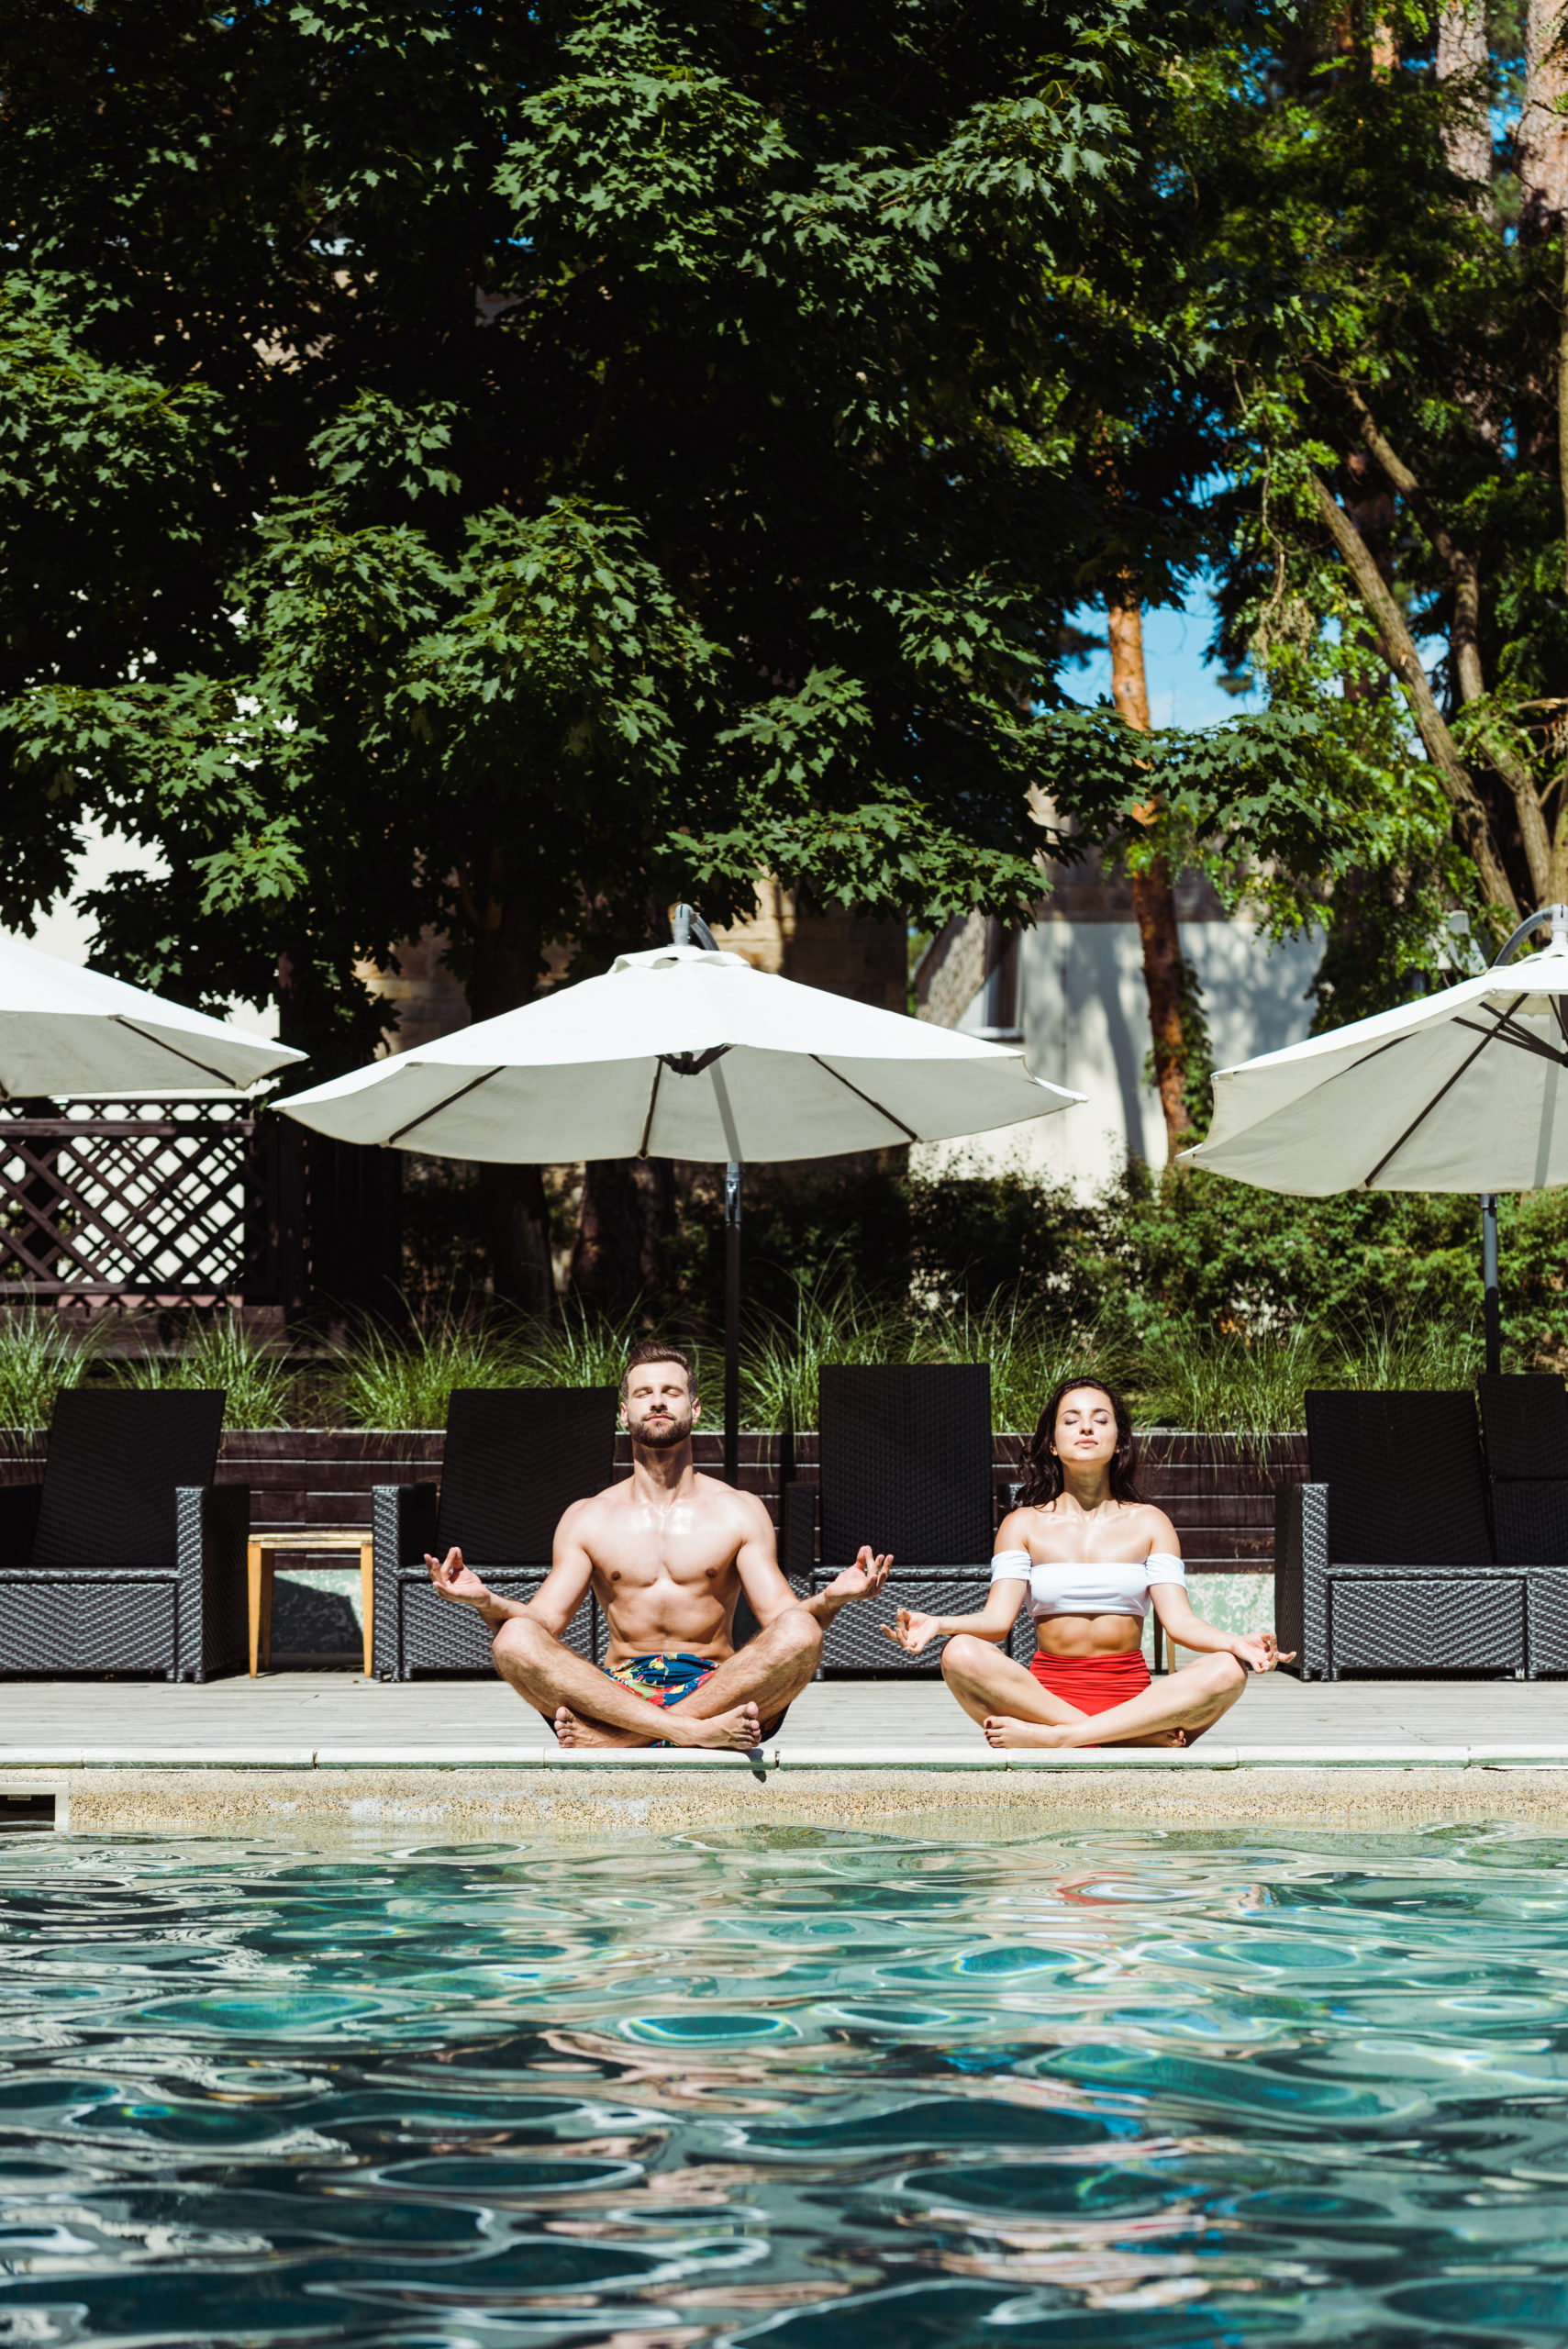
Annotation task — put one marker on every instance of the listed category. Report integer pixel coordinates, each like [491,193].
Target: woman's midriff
[1088,1635]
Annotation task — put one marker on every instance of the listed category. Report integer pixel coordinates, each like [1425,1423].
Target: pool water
[826,2090]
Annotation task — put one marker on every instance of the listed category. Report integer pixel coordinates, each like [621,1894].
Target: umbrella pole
[732,1322]
[1489,1282]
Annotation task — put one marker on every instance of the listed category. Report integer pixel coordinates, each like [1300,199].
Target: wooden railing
[191,1202]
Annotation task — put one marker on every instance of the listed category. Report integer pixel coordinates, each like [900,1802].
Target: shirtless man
[668,1555]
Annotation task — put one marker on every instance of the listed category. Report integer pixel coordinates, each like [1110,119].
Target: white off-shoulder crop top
[1093,1589]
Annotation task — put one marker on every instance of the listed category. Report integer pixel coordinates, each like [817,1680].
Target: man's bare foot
[572,1728]
[735,1732]
[1001,1729]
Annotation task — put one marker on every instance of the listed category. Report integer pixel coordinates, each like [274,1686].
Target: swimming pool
[825,2090]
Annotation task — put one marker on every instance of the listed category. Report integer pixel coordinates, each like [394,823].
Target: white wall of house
[1082,1012]
[65,930]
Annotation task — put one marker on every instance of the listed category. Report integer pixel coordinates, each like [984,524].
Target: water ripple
[816,2089]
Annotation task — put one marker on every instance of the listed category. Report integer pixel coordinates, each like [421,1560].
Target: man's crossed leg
[741,1701]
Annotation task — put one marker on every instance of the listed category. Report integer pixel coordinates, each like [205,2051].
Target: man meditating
[668,1554]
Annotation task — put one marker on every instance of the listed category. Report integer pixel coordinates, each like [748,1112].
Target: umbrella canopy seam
[164,1045]
[1504,1031]
[1427,1107]
[438,1107]
[907,1131]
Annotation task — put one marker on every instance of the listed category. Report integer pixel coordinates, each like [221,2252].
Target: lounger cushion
[514,1461]
[906,1453]
[1403,1473]
[116,1458]
[1525,1421]
[1531,1522]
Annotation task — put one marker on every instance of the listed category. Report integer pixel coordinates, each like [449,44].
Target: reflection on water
[828,2091]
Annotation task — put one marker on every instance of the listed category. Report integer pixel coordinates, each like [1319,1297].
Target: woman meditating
[1088,1556]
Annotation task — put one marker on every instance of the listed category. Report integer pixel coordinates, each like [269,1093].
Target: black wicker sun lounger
[515,1458]
[1524,1422]
[906,1465]
[1384,1562]
[126,1558]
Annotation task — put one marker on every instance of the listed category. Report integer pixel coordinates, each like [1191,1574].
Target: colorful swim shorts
[662,1679]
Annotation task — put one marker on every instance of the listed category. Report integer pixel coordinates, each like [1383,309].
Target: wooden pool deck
[313,1721]
[323,1753]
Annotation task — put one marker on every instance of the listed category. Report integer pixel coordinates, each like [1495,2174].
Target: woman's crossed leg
[1013,1710]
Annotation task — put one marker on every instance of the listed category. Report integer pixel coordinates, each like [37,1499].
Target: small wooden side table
[260,1560]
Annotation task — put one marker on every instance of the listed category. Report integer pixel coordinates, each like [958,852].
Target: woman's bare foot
[1001,1729]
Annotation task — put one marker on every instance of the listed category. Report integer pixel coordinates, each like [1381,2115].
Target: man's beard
[662,1435]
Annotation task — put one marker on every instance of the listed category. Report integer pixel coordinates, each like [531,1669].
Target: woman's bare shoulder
[1014,1532]
[1162,1534]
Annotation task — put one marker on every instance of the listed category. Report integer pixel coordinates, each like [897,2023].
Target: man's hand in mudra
[863,1579]
[454,1580]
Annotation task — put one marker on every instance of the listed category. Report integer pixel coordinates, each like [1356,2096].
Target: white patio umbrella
[64,1029]
[1461,1091]
[683,1052]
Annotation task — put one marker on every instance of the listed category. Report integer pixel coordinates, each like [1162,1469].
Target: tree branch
[1460,567]
[1465,637]
[1399,651]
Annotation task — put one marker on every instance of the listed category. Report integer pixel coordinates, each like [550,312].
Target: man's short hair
[650,1351]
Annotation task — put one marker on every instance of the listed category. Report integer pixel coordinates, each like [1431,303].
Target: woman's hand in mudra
[1260,1651]
[912,1632]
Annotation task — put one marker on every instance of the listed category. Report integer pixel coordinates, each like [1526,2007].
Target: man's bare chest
[636,1548]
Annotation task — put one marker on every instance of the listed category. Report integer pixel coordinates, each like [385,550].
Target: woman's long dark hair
[1043,1478]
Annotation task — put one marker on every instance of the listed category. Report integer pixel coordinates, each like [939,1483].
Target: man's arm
[763,1580]
[565,1586]
[555,1601]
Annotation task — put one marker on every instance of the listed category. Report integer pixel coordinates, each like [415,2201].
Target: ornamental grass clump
[260,1385]
[833,1319]
[1223,1383]
[1029,1353]
[384,1378]
[40,1353]
[1422,1353]
[583,1348]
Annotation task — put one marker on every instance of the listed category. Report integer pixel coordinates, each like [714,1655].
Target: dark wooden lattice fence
[190,1201]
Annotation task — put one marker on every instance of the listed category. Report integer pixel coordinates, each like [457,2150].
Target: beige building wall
[424,1000]
[867,960]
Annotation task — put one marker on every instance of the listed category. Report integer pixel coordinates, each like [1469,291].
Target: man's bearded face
[659,1410]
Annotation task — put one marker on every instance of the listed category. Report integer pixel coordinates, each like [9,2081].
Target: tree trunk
[622,1233]
[1153,899]
[517,1219]
[1461,58]
[1562,402]
[1542,142]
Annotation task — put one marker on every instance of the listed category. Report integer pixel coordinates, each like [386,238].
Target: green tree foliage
[1387,322]
[563,459]
[502,469]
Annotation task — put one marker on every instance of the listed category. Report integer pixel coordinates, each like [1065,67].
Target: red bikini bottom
[1093,1683]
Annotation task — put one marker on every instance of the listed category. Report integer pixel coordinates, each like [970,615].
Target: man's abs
[648,1616]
